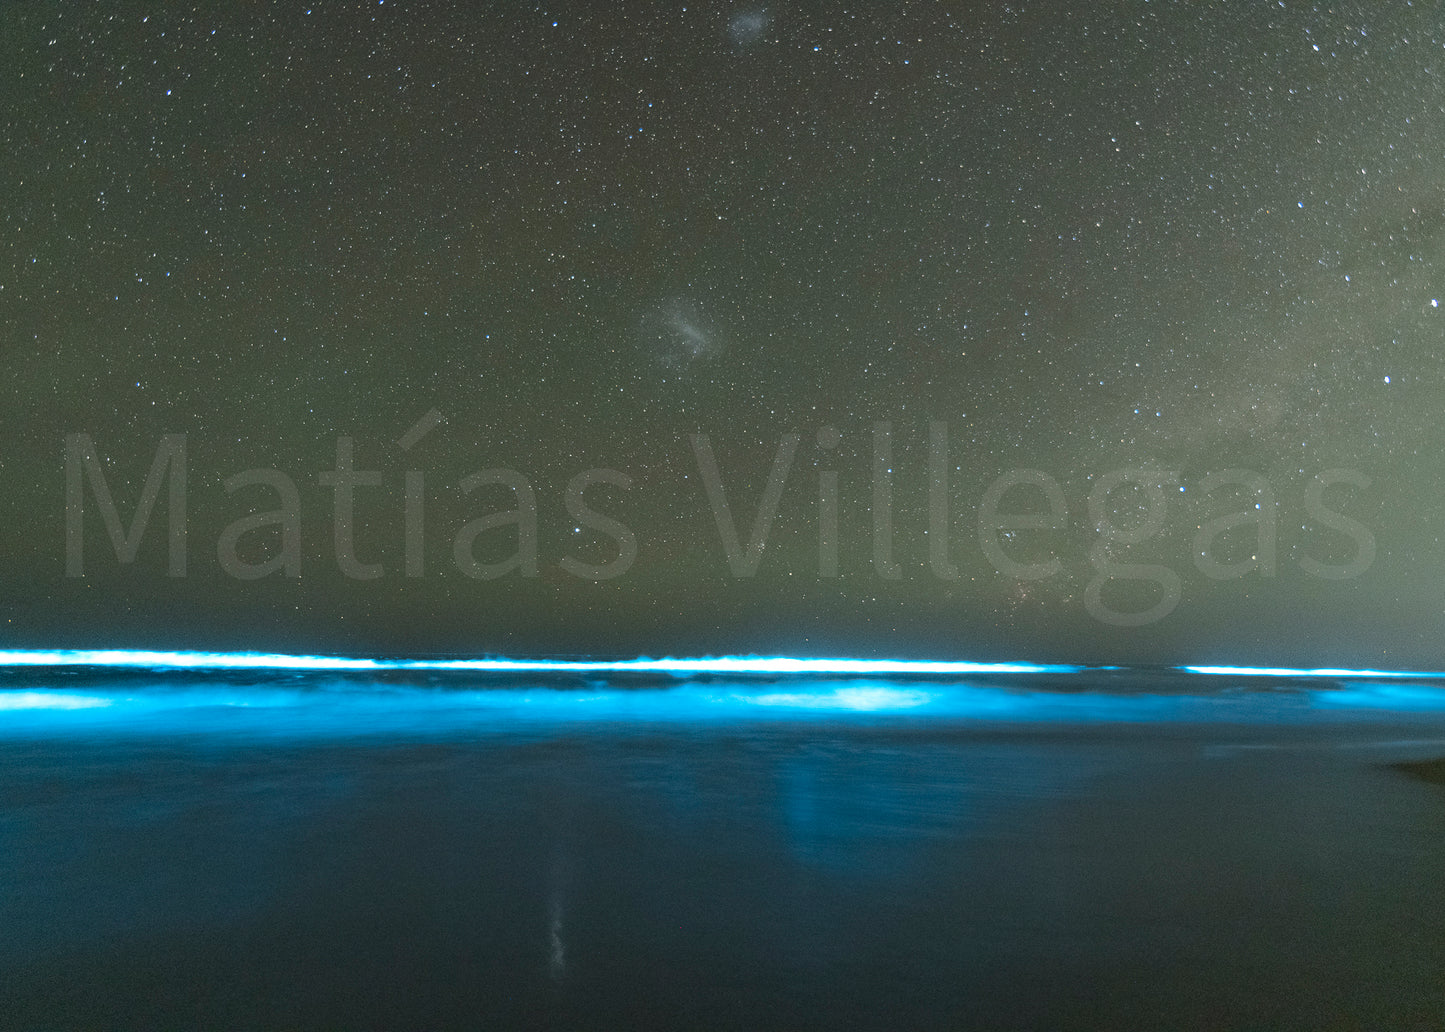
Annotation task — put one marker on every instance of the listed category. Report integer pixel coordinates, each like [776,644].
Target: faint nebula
[679,335]
[748,26]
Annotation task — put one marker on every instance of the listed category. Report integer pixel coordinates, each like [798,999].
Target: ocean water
[194,843]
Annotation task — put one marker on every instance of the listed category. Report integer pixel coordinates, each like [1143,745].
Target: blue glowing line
[141,659]
[1240,671]
[157,660]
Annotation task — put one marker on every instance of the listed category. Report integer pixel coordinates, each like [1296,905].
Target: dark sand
[1426,770]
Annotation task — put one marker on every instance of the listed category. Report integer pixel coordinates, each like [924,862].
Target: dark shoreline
[1432,771]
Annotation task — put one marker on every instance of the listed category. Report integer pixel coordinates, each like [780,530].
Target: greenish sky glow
[891,276]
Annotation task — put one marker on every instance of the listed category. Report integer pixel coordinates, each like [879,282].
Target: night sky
[1130,247]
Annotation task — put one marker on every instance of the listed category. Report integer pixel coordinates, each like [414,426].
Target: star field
[1179,238]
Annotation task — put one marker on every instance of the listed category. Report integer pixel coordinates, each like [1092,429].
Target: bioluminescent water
[139,659]
[273,693]
[257,840]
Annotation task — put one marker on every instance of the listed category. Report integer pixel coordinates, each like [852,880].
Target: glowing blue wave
[837,687]
[852,697]
[1329,672]
[338,710]
[157,660]
[143,659]
[332,695]
[50,701]
[1396,697]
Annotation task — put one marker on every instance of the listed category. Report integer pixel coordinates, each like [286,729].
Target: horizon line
[158,659]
